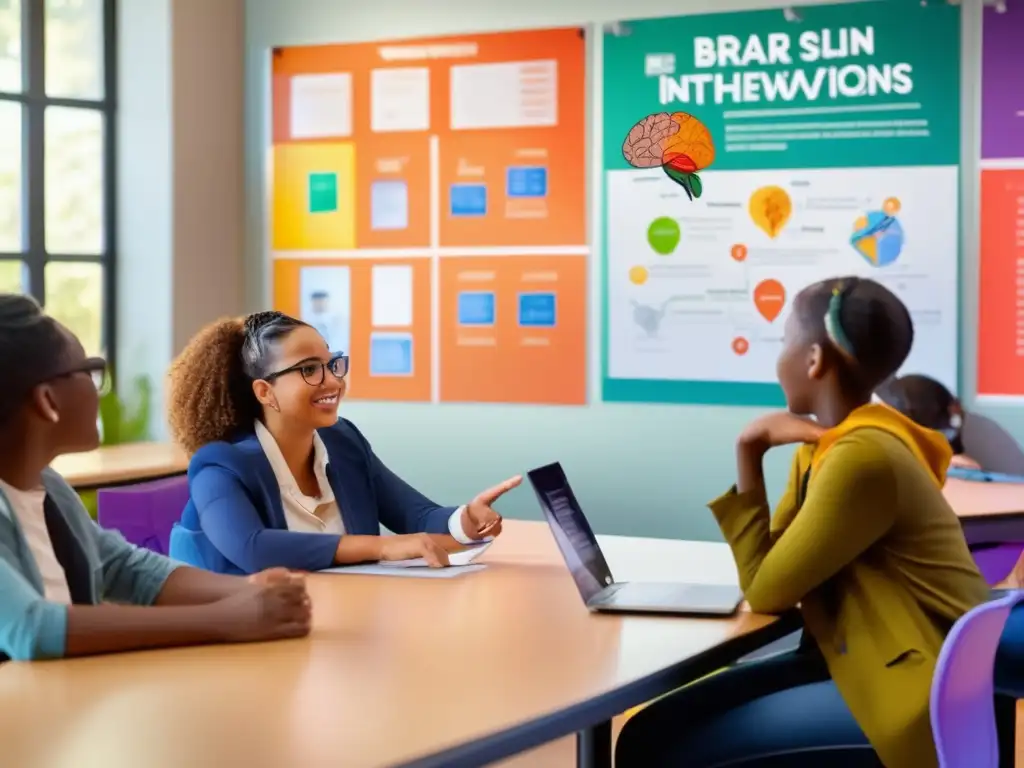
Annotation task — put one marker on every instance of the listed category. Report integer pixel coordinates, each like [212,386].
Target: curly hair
[210,395]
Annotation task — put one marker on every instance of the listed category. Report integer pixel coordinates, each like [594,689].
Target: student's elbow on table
[38,631]
[768,598]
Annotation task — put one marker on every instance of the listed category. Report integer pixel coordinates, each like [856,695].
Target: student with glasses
[276,479]
[68,587]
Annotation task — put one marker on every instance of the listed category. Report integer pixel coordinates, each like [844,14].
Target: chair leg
[1006,730]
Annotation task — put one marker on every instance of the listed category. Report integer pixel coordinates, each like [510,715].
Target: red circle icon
[740,345]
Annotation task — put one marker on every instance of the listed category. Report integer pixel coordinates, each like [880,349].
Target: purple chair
[996,562]
[963,695]
[144,513]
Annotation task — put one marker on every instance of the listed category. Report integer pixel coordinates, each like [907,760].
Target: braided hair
[210,395]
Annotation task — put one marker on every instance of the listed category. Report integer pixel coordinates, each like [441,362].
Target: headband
[834,326]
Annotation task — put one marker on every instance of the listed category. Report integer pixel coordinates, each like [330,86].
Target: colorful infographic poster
[1001,291]
[394,165]
[748,155]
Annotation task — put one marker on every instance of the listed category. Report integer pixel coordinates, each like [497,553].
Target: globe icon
[878,237]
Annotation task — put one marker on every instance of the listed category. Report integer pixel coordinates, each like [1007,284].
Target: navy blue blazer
[234,521]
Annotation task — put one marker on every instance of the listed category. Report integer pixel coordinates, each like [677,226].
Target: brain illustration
[677,142]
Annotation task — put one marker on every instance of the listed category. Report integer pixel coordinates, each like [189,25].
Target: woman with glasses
[276,479]
[60,574]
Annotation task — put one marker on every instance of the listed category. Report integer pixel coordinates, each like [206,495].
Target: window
[57,96]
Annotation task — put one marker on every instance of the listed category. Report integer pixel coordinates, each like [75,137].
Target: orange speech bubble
[769,298]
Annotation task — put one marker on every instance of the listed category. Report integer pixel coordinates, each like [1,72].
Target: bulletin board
[428,212]
[1001,256]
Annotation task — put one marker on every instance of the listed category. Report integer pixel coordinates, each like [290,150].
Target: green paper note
[323,192]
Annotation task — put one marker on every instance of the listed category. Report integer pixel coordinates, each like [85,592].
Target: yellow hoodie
[929,447]
[864,542]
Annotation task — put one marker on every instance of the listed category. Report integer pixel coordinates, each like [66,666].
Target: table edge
[545,728]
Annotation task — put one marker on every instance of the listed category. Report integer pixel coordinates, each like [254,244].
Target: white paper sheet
[321,106]
[416,573]
[515,94]
[465,557]
[391,296]
[400,99]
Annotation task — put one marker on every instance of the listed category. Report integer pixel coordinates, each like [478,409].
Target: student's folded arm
[231,523]
[848,508]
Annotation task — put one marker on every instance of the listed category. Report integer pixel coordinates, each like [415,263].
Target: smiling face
[301,389]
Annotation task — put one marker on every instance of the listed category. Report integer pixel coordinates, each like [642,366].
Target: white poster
[700,290]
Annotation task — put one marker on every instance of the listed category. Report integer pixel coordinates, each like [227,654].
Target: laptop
[593,577]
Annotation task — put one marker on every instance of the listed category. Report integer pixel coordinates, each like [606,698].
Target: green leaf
[696,185]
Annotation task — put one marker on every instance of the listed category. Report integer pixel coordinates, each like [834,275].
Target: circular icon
[638,275]
[663,235]
[740,345]
[738,252]
[891,206]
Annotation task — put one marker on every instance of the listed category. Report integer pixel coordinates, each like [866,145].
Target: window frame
[34,101]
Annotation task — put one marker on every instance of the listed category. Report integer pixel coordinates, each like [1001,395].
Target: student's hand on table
[273,576]
[479,520]
[428,546]
[781,428]
[266,612]
[964,462]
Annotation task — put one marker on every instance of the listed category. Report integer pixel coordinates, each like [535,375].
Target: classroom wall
[180,179]
[639,469]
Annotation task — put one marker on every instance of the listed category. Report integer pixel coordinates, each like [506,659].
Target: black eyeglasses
[313,372]
[96,367]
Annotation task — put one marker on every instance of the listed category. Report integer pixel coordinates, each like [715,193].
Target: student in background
[931,405]
[276,479]
[863,542]
[58,569]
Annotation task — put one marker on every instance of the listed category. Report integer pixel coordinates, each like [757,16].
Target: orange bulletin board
[1001,319]
[433,154]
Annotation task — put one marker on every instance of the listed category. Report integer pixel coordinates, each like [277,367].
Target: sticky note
[537,310]
[323,192]
[476,308]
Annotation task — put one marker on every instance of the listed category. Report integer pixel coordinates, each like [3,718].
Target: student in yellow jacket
[862,541]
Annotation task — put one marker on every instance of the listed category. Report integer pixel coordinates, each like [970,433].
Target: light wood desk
[989,512]
[397,671]
[121,464]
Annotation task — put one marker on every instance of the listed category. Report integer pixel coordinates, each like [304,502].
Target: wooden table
[989,512]
[121,465]
[397,672]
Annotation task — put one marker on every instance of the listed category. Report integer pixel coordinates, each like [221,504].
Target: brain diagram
[678,142]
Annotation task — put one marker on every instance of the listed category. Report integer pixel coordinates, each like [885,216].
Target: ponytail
[210,395]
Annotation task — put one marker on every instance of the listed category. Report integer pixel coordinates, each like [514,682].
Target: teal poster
[748,155]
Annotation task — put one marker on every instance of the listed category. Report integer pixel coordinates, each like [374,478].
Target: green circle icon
[663,235]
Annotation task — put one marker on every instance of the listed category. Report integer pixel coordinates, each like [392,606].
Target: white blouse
[320,514]
[308,514]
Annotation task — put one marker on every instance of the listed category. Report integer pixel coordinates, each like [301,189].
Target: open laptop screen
[572,532]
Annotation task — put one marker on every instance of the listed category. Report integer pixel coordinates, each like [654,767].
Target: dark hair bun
[18,311]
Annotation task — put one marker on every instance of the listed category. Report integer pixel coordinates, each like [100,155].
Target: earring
[956,421]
